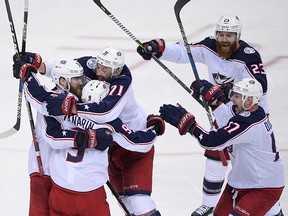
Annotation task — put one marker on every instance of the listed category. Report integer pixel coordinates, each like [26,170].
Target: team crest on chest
[245,113]
[222,79]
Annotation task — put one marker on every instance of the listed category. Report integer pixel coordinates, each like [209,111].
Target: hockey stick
[26,5]
[106,11]
[177,8]
[116,195]
[16,127]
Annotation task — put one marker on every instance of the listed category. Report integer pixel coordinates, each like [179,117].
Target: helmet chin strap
[244,101]
[65,89]
[114,73]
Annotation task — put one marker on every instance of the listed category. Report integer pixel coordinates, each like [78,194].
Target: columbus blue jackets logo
[221,79]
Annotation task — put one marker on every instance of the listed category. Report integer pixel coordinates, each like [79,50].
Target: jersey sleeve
[177,52]
[37,94]
[235,131]
[254,63]
[56,136]
[139,141]
[89,64]
[47,68]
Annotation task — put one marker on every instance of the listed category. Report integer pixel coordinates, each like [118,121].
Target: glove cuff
[161,45]
[37,60]
[157,122]
[92,142]
[79,139]
[67,105]
[185,123]
[25,71]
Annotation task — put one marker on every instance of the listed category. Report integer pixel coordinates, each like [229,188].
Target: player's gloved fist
[157,122]
[61,104]
[104,139]
[178,117]
[226,89]
[156,47]
[211,93]
[23,70]
[99,139]
[28,57]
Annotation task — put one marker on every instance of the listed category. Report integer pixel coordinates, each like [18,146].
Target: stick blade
[8,133]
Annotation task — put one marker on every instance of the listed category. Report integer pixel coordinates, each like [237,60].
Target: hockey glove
[178,117]
[156,47]
[28,57]
[226,89]
[99,139]
[157,122]
[211,93]
[23,70]
[61,104]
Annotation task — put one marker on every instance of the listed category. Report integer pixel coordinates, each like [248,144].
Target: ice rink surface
[74,28]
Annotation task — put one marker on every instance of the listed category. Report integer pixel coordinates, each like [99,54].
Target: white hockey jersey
[255,158]
[244,63]
[70,168]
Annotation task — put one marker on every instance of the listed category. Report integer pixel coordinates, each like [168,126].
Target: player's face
[103,73]
[237,101]
[76,85]
[226,43]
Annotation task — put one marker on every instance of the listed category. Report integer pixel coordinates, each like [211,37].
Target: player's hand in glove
[226,88]
[211,93]
[61,104]
[157,122]
[99,139]
[28,57]
[178,117]
[156,47]
[23,70]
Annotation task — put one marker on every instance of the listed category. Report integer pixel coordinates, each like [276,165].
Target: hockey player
[228,59]
[63,160]
[256,180]
[40,185]
[82,164]
[126,168]
[68,77]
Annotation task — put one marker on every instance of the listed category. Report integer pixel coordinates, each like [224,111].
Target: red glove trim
[161,44]
[23,70]
[37,60]
[92,138]
[211,92]
[67,105]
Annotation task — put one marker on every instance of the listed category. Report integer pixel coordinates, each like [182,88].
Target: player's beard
[77,91]
[226,53]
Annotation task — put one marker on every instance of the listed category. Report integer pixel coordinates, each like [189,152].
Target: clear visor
[232,93]
[83,79]
[105,69]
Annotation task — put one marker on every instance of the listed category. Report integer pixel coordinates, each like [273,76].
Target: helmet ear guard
[248,87]
[229,24]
